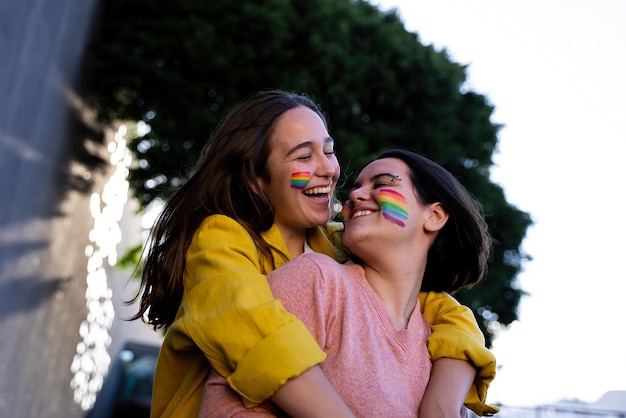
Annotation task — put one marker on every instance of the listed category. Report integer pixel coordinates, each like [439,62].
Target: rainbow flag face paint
[394,206]
[300,179]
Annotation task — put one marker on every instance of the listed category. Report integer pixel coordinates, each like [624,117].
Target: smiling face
[302,171]
[383,210]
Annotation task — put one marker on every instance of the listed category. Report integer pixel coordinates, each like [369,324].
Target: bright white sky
[555,71]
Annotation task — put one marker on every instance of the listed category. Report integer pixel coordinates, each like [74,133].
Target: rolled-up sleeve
[232,316]
[456,334]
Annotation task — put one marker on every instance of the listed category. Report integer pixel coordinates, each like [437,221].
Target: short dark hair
[458,257]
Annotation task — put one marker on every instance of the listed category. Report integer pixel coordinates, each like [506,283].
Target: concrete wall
[45,188]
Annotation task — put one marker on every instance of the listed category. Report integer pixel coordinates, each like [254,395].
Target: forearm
[450,380]
[456,335]
[311,395]
[221,401]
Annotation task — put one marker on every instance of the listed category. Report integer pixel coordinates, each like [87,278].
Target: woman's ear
[256,186]
[437,217]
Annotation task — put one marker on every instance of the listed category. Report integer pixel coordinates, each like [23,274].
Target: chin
[352,238]
[321,220]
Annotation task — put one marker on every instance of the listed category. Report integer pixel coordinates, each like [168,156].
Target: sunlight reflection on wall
[91,361]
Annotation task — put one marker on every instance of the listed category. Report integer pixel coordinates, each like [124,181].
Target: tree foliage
[180,66]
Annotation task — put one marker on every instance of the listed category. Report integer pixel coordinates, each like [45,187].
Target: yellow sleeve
[455,334]
[232,316]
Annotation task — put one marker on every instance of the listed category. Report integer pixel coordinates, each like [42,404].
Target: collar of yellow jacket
[325,239]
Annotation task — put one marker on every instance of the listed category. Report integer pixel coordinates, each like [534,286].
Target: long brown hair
[224,181]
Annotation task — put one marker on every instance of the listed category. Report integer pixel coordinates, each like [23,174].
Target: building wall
[45,189]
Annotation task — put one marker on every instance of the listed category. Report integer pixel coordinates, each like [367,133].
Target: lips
[362,211]
[317,191]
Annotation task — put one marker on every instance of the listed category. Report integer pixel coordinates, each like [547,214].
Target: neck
[397,283]
[294,240]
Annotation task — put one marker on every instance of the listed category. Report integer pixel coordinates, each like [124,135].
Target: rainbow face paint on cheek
[300,179]
[394,206]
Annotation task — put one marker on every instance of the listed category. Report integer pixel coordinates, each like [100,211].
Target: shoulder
[221,222]
[310,269]
[226,230]
[307,264]
[216,223]
[324,263]
[441,300]
[220,230]
[310,286]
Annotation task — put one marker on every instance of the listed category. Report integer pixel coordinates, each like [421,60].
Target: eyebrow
[394,178]
[307,144]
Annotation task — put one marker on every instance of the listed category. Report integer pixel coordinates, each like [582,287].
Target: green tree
[181,66]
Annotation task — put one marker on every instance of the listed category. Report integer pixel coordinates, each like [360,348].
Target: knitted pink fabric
[379,371]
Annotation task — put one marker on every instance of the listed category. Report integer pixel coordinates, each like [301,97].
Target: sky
[554,71]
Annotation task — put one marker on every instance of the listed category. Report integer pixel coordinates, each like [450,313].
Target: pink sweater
[379,371]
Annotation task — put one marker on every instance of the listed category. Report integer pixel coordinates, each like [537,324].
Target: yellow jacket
[229,320]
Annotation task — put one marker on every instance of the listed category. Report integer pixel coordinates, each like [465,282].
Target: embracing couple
[270,309]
